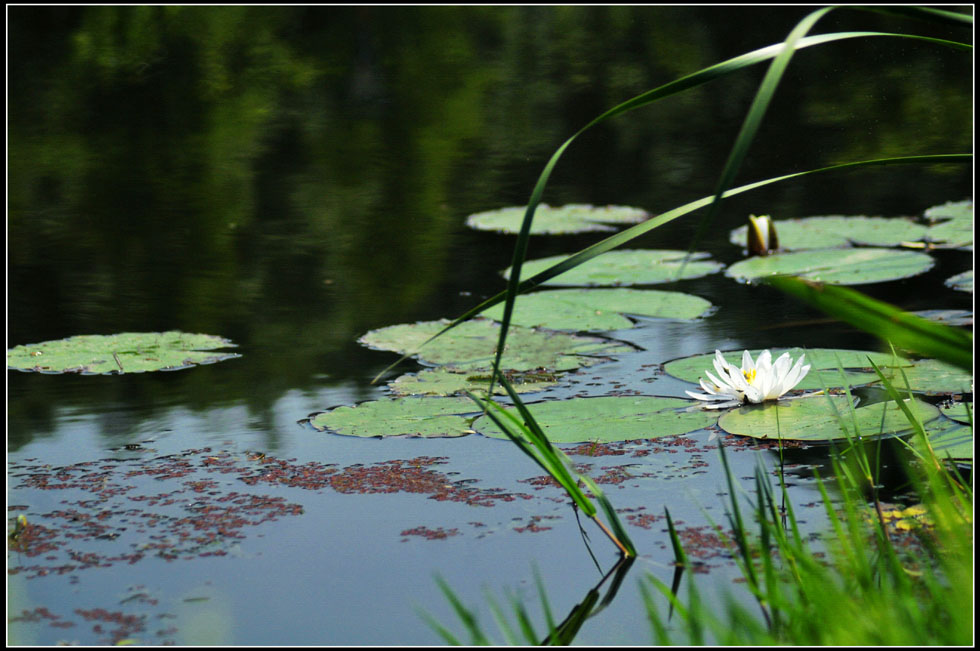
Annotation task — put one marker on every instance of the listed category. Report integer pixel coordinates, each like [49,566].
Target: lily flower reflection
[756,381]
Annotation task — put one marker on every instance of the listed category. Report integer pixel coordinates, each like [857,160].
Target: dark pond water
[291,178]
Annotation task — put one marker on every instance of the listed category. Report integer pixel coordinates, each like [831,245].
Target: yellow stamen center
[749,375]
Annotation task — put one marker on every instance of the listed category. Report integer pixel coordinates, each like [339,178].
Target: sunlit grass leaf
[835,266]
[611,418]
[127,352]
[427,417]
[839,231]
[906,331]
[471,346]
[817,418]
[571,218]
[961,281]
[626,267]
[447,382]
[600,309]
[823,363]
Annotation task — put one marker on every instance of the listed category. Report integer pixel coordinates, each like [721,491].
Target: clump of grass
[867,590]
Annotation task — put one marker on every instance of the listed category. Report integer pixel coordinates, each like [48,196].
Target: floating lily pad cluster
[128,352]
[851,250]
[547,340]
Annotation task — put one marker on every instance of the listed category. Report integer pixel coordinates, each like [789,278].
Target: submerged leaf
[626,267]
[127,352]
[821,418]
[471,346]
[837,231]
[611,418]
[835,266]
[571,218]
[600,309]
[425,417]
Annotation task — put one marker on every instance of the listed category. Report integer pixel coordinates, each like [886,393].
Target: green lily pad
[611,418]
[961,412]
[835,266]
[471,345]
[821,418]
[599,309]
[950,439]
[930,376]
[837,231]
[962,281]
[447,382]
[626,267]
[951,210]
[426,417]
[955,229]
[572,218]
[948,317]
[127,352]
[823,363]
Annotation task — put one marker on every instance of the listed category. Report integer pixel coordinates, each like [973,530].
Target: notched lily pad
[422,416]
[835,266]
[955,229]
[600,309]
[626,267]
[821,418]
[571,218]
[837,230]
[962,281]
[471,346]
[447,382]
[611,418]
[127,352]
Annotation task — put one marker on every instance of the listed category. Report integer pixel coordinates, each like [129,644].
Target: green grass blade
[781,52]
[757,111]
[465,615]
[548,460]
[619,531]
[680,558]
[908,331]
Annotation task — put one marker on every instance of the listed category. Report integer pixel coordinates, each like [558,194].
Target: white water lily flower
[756,381]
